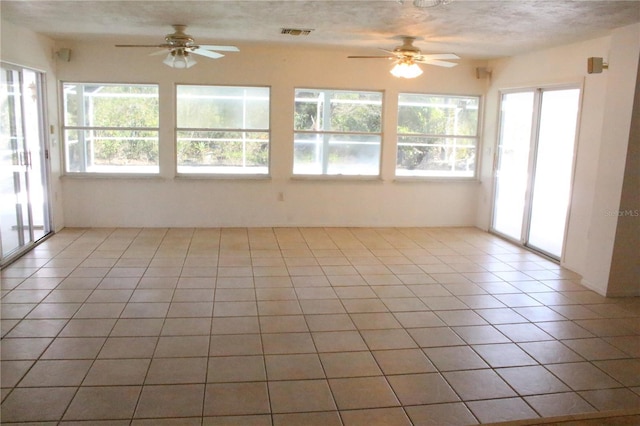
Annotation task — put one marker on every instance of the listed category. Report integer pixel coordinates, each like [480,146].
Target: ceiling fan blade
[438,56]
[438,63]
[370,57]
[143,45]
[207,53]
[220,48]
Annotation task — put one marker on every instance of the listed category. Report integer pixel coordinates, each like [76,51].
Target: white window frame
[225,171]
[452,174]
[327,134]
[106,170]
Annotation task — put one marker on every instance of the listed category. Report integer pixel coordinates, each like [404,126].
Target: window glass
[222,129]
[437,135]
[337,132]
[110,128]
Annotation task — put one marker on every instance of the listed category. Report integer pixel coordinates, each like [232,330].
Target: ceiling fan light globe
[405,70]
[179,59]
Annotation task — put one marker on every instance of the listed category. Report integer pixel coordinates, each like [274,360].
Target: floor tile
[287,343]
[478,384]
[388,339]
[236,369]
[294,367]
[582,376]
[550,352]
[349,364]
[111,372]
[532,380]
[339,341]
[45,373]
[559,404]
[320,418]
[182,346]
[436,336]
[362,392]
[300,396]
[455,358]
[104,402]
[452,414]
[235,344]
[626,371]
[403,361]
[418,389]
[36,404]
[176,371]
[504,355]
[501,410]
[170,401]
[128,347]
[612,399]
[375,416]
[594,349]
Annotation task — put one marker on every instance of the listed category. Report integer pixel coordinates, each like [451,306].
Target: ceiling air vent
[295,31]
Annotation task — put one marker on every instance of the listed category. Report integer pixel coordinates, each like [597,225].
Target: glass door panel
[513,163]
[534,167]
[553,170]
[24,207]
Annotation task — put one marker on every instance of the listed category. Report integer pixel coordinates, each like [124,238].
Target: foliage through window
[110,128]
[222,129]
[337,132]
[437,135]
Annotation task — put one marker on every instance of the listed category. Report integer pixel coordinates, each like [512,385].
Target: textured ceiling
[470,28]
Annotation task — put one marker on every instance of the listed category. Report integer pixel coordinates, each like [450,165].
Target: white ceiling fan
[407,57]
[181,46]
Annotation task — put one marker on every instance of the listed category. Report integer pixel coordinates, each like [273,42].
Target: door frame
[538,91]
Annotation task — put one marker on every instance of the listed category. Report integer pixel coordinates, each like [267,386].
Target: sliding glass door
[534,167]
[24,201]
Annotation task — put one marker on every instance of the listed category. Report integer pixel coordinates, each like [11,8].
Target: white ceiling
[470,28]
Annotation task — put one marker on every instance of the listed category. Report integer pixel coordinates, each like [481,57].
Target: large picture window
[110,128]
[337,132]
[222,129]
[437,135]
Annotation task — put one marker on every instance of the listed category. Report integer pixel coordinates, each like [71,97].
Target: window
[337,132]
[437,135]
[222,129]
[110,128]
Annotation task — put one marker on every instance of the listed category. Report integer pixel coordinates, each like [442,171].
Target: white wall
[171,201]
[602,139]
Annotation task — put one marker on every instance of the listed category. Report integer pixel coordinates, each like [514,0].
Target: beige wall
[171,201]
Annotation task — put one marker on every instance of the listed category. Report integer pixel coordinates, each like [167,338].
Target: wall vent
[295,31]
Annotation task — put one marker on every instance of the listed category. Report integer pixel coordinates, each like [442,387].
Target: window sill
[444,179]
[336,178]
[212,176]
[141,176]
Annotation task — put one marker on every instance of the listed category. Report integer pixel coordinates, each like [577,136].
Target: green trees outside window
[337,132]
[437,135]
[222,129]
[111,128]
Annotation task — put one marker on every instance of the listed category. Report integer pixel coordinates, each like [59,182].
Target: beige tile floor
[306,326]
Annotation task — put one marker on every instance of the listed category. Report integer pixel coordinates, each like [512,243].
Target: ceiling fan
[407,57]
[181,46]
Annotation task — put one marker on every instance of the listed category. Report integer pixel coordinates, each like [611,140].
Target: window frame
[128,172]
[222,175]
[476,137]
[328,133]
